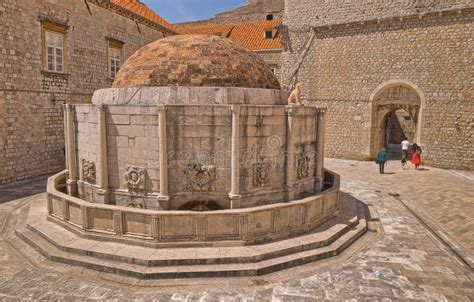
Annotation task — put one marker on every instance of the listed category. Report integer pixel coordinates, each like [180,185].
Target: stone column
[163,198]
[290,154]
[234,194]
[71,151]
[65,136]
[320,149]
[102,160]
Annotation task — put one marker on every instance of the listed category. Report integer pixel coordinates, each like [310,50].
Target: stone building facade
[366,61]
[53,52]
[253,10]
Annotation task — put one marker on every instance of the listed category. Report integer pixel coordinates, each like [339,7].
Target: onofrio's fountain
[193,165]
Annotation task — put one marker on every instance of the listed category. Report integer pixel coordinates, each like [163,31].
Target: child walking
[381,160]
[416,156]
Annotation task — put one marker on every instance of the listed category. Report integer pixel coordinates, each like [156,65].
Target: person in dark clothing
[381,160]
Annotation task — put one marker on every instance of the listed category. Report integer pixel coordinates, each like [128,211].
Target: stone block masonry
[361,52]
[31,123]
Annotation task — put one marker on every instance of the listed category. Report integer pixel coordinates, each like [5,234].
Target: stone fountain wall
[199,147]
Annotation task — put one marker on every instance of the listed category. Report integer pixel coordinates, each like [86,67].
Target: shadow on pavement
[23,188]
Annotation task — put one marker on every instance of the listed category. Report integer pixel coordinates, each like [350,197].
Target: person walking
[381,160]
[416,156]
[405,147]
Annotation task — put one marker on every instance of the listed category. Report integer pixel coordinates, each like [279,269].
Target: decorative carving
[88,171]
[290,111]
[137,204]
[295,96]
[303,162]
[202,206]
[262,173]
[135,178]
[303,166]
[118,222]
[200,178]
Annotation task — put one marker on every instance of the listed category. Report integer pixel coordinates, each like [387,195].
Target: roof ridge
[249,34]
[141,9]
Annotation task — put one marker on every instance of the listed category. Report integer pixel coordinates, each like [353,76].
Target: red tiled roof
[248,34]
[141,9]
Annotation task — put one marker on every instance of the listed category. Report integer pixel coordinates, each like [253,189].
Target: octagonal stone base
[98,252]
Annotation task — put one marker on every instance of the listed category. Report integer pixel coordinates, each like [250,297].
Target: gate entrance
[396,112]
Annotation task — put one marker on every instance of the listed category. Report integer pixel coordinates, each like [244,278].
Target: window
[114,52]
[115,55]
[269,17]
[54,52]
[54,47]
[273,70]
[268,34]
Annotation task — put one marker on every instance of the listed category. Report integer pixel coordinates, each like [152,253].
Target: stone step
[190,271]
[73,243]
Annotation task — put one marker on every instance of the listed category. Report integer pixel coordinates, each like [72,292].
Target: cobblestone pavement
[403,262]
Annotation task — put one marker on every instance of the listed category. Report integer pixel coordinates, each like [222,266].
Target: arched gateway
[397,107]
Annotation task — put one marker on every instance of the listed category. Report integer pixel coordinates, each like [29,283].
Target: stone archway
[388,99]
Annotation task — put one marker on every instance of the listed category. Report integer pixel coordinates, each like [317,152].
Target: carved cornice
[392,19]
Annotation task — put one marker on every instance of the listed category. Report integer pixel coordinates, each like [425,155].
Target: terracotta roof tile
[248,34]
[141,9]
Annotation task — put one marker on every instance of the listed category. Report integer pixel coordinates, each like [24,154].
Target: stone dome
[195,61]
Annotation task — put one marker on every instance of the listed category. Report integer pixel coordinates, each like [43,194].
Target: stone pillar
[290,154]
[102,160]
[65,136]
[234,194]
[320,149]
[163,198]
[71,151]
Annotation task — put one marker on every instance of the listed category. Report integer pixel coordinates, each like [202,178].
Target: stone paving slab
[447,199]
[23,188]
[412,264]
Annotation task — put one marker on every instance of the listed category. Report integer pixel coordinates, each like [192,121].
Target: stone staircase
[59,244]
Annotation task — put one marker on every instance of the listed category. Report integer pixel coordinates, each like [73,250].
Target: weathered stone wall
[263,141]
[251,226]
[254,10]
[246,17]
[198,139]
[346,64]
[199,135]
[300,14]
[31,135]
[273,59]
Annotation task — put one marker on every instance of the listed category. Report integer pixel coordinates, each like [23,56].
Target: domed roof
[196,61]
